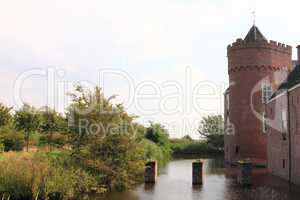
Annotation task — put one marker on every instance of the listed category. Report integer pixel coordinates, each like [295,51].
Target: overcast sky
[171,51]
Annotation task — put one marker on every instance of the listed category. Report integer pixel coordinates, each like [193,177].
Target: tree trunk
[50,141]
[27,141]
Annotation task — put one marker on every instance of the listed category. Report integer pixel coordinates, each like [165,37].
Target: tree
[187,138]
[159,135]
[28,120]
[92,116]
[51,122]
[212,129]
[103,138]
[5,115]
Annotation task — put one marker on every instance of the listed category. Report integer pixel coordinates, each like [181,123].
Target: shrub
[58,140]
[12,140]
[43,140]
[193,148]
[40,176]
[153,152]
[119,159]
[1,147]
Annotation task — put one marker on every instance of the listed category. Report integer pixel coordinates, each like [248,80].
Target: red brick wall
[277,147]
[248,64]
[229,139]
[295,133]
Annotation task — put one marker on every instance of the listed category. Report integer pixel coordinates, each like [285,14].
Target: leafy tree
[5,115]
[212,129]
[51,122]
[187,138]
[103,138]
[159,135]
[28,120]
[119,158]
[91,116]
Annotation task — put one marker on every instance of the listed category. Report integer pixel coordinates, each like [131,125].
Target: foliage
[57,140]
[52,122]
[194,148]
[1,147]
[119,159]
[92,114]
[5,115]
[103,139]
[11,139]
[28,120]
[153,152]
[188,138]
[40,176]
[212,129]
[159,135]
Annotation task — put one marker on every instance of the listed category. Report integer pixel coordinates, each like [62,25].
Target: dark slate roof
[292,80]
[254,35]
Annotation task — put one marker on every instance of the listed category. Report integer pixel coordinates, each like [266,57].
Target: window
[264,122]
[284,121]
[266,92]
[283,136]
[227,101]
[237,150]
[283,163]
[283,124]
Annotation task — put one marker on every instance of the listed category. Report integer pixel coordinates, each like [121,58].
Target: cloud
[149,40]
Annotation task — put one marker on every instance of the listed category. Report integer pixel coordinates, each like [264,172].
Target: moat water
[219,183]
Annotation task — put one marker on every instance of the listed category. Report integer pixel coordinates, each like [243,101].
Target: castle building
[256,68]
[283,128]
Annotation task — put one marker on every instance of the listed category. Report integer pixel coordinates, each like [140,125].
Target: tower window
[266,92]
[283,163]
[264,122]
[237,150]
[227,101]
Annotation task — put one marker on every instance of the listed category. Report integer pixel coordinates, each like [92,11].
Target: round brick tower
[250,62]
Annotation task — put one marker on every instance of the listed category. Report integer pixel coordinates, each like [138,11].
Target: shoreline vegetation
[96,147]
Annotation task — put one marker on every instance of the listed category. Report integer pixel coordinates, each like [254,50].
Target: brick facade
[251,62]
[284,144]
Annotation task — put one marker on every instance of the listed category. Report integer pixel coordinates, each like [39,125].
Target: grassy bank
[191,148]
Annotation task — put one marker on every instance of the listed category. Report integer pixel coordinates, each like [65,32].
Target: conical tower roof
[254,35]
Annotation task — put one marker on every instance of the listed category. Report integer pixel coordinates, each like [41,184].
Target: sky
[165,59]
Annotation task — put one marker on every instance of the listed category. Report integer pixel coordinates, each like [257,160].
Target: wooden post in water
[197,172]
[151,172]
[244,174]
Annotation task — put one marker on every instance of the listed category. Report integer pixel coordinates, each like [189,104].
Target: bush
[58,140]
[12,140]
[43,140]
[153,152]
[159,135]
[40,175]
[119,160]
[1,147]
[193,148]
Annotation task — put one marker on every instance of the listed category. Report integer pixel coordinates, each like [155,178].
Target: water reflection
[175,182]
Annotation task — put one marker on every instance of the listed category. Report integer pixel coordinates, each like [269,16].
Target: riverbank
[182,148]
